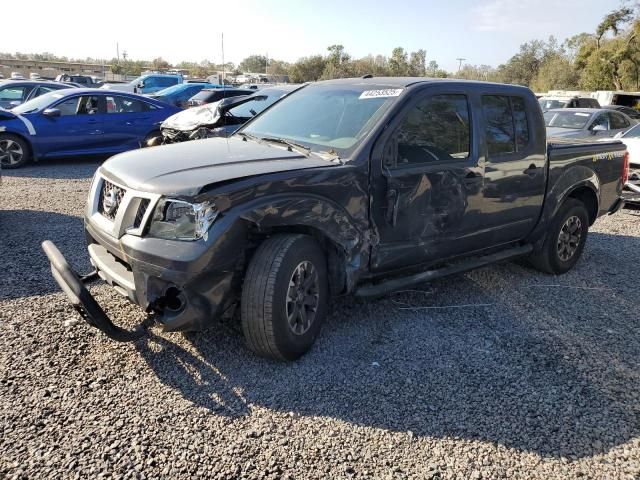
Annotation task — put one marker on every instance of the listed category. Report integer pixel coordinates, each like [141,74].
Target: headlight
[179,220]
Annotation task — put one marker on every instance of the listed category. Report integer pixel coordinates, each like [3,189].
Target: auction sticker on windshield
[390,92]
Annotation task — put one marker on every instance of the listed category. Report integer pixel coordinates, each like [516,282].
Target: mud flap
[82,300]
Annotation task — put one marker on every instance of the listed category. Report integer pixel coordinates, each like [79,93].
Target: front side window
[499,130]
[165,82]
[87,105]
[437,129]
[633,133]
[601,120]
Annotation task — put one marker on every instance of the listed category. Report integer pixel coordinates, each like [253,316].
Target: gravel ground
[539,378]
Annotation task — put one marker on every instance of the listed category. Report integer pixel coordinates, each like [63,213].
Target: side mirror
[599,128]
[140,85]
[51,112]
[618,135]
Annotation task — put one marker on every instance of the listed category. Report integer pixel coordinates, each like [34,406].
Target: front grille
[110,199]
[142,209]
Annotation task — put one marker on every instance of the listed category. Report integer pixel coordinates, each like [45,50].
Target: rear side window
[617,121]
[507,128]
[437,129]
[117,104]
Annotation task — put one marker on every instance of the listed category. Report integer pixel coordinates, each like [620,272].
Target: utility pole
[124,60]
[223,58]
[460,64]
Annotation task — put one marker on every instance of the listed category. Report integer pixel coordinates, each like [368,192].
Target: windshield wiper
[248,135]
[292,145]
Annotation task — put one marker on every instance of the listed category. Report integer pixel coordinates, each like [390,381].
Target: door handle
[531,171]
[392,207]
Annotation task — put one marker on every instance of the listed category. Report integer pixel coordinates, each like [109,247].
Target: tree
[253,64]
[159,64]
[307,69]
[418,63]
[398,65]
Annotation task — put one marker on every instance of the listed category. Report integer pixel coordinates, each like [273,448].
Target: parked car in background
[210,95]
[78,121]
[149,83]
[218,119]
[83,80]
[16,92]
[549,103]
[585,123]
[179,95]
[631,138]
[352,186]
[632,113]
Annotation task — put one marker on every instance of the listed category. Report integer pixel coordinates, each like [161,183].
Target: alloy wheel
[569,238]
[11,152]
[303,297]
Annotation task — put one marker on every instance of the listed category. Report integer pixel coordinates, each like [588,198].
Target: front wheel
[565,239]
[14,151]
[284,297]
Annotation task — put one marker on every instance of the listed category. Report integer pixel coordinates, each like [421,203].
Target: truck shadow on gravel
[25,270]
[533,365]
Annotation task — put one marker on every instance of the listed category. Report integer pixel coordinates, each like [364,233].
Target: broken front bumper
[73,285]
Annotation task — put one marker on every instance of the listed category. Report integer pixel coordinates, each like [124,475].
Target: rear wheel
[565,239]
[14,151]
[284,297]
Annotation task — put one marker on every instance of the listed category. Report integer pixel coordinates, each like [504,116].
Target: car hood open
[185,169]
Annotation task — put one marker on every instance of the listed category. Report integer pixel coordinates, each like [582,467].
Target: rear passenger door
[127,121]
[515,173]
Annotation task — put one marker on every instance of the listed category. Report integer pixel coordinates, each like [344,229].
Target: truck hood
[184,169]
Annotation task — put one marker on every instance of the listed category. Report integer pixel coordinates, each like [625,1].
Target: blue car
[78,121]
[179,95]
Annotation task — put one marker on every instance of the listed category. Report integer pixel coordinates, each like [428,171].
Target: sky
[482,31]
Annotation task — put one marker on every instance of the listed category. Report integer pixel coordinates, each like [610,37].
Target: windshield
[258,103]
[137,80]
[568,119]
[632,133]
[325,116]
[547,104]
[38,103]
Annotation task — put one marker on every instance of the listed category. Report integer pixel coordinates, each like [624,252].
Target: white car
[631,138]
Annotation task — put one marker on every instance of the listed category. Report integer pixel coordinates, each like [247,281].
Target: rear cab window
[506,124]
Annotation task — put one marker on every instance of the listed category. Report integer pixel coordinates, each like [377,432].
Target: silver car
[586,123]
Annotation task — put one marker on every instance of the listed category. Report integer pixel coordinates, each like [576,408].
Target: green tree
[253,64]
[307,69]
[418,63]
[398,64]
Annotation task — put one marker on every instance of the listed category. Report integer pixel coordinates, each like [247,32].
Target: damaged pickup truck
[353,186]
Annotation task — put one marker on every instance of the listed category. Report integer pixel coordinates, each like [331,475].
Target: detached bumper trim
[82,300]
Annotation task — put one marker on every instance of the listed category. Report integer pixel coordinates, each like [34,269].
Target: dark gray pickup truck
[354,186]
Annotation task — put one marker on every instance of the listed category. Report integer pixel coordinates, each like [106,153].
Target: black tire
[15,152]
[267,305]
[560,250]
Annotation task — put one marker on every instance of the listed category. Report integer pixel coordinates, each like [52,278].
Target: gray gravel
[540,379]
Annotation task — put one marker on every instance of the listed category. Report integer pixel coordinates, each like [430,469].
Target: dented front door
[427,178]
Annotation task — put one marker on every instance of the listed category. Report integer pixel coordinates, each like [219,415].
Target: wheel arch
[340,238]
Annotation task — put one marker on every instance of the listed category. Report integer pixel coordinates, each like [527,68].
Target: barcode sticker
[390,92]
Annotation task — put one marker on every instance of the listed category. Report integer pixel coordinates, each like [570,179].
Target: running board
[374,290]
